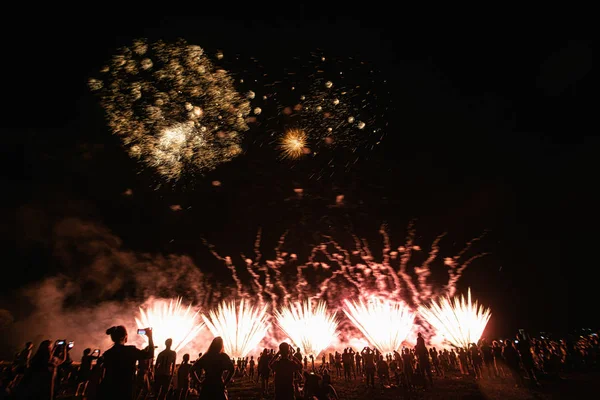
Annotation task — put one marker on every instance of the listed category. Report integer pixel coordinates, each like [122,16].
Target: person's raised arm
[195,370]
[297,363]
[274,359]
[149,352]
[230,368]
[64,355]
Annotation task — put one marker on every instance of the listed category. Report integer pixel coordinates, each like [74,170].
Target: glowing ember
[242,328]
[385,323]
[312,330]
[293,143]
[460,322]
[169,319]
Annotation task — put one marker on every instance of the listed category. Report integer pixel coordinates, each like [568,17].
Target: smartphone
[71,344]
[516,341]
[141,331]
[96,351]
[60,342]
[501,341]
[541,337]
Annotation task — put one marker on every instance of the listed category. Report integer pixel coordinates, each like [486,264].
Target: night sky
[484,136]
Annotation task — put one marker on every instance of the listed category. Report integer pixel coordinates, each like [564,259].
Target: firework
[336,101]
[241,327]
[169,319]
[293,143]
[312,330]
[173,110]
[385,323]
[459,321]
[335,273]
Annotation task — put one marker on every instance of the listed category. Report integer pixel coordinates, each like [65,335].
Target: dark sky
[486,135]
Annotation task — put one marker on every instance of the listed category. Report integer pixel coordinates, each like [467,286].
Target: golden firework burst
[293,143]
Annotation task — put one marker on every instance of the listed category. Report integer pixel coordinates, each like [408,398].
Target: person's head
[298,350]
[42,354]
[169,343]
[419,335]
[87,352]
[186,358]
[216,346]
[252,357]
[118,334]
[284,349]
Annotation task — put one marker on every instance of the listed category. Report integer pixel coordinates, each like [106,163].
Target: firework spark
[293,143]
[334,273]
[385,323]
[241,327]
[312,330]
[169,319]
[174,111]
[459,321]
[336,101]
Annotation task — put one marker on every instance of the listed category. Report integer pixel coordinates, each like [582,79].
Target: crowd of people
[126,372]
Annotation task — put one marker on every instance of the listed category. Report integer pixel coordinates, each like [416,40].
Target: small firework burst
[293,144]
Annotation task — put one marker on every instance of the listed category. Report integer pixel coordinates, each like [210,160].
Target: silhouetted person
[119,364]
[22,359]
[164,369]
[251,363]
[92,390]
[369,362]
[383,371]
[358,358]
[264,372]
[214,363]
[143,376]
[183,377]
[285,367]
[41,375]
[476,361]
[347,361]
[488,358]
[499,364]
[85,369]
[312,387]
[423,357]
[524,348]
[86,365]
[407,364]
[511,358]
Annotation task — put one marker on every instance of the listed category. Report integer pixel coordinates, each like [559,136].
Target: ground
[572,386]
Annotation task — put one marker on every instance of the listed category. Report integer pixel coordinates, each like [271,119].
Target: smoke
[100,283]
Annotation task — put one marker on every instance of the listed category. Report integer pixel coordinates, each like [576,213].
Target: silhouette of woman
[40,377]
[214,362]
[119,364]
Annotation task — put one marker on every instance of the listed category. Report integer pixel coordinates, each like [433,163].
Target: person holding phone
[120,364]
[40,378]
[85,368]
